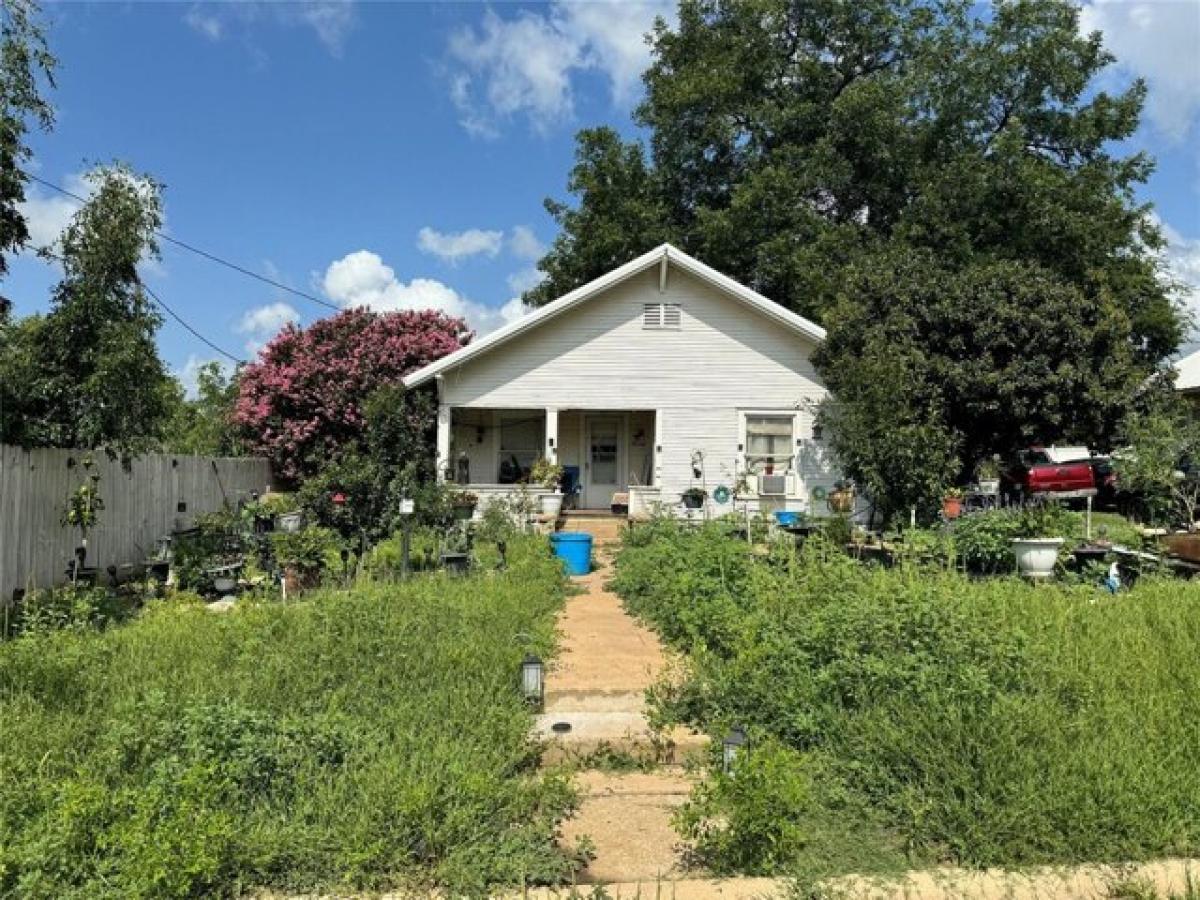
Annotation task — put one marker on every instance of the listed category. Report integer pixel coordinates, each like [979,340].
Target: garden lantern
[533,684]
[732,746]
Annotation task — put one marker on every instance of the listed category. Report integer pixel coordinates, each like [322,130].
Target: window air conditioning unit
[772,485]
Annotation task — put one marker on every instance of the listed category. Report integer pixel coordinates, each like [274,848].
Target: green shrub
[69,607]
[361,741]
[309,551]
[984,722]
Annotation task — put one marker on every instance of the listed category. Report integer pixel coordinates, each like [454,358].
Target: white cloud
[454,246]
[262,323]
[524,65]
[524,244]
[47,212]
[363,279]
[1160,41]
[208,25]
[522,281]
[1182,258]
[330,20]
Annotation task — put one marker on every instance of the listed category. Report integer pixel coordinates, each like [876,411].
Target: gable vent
[662,315]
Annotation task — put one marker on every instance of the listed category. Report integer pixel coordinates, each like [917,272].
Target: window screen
[768,443]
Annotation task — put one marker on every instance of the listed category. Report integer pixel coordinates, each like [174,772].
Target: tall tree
[796,144]
[88,374]
[25,64]
[203,425]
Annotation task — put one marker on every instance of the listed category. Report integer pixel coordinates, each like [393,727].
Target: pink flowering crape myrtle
[302,400]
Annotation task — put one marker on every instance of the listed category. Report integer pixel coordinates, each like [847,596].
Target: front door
[602,466]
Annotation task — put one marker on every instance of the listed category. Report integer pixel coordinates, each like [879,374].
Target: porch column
[551,434]
[444,461]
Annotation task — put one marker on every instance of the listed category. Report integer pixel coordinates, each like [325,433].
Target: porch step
[603,529]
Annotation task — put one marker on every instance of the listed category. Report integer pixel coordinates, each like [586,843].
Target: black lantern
[732,746]
[533,682]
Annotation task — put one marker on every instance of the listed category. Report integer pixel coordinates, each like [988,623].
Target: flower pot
[952,507]
[1036,557]
[841,501]
[989,486]
[552,504]
[692,501]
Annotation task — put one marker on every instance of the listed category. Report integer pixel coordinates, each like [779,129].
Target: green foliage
[362,741]
[201,426]
[1161,439]
[66,608]
[88,374]
[545,473]
[309,551]
[84,504]
[25,63]
[216,540]
[921,716]
[938,183]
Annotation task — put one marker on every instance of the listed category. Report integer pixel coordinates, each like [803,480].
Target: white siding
[724,359]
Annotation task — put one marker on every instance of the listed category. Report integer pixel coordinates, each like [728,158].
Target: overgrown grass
[900,717]
[361,739]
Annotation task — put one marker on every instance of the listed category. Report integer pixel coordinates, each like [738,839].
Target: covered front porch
[603,452]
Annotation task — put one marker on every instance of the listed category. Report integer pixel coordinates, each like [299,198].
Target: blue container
[574,549]
[786,517]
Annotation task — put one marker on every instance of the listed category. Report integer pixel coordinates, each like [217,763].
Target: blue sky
[398,154]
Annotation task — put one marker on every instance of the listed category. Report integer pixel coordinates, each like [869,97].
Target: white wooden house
[662,375]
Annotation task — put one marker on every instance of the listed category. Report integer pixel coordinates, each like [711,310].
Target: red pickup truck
[1060,472]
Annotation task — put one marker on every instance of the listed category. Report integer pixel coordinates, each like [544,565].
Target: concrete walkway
[596,696]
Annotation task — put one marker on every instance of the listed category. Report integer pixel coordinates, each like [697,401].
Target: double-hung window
[769,443]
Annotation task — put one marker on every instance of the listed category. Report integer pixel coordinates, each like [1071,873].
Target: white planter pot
[1036,557]
[991,487]
[552,504]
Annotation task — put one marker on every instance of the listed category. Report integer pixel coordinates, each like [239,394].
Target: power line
[178,318]
[46,251]
[204,253]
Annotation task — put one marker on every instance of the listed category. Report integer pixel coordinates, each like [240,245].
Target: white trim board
[661,255]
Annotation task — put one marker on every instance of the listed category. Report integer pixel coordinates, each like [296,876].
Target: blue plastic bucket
[574,549]
[786,517]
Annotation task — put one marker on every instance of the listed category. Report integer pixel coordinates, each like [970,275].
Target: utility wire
[204,253]
[178,318]
[46,251]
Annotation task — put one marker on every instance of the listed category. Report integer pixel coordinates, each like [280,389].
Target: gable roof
[664,254]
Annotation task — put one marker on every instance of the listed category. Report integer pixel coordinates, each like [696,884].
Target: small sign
[407,507]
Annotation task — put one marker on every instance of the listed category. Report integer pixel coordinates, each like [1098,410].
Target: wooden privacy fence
[144,498]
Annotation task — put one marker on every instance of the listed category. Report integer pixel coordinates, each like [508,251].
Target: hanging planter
[693,498]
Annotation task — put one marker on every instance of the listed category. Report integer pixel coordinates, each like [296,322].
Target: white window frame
[658,321]
[790,467]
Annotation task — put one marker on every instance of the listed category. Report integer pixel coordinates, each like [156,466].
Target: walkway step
[627,819]
[626,733]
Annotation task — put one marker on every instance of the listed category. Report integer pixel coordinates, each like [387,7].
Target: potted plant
[548,474]
[1036,555]
[952,503]
[987,476]
[841,498]
[82,511]
[302,555]
[463,503]
[694,497]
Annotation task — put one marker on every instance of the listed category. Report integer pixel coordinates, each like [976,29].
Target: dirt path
[597,687]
